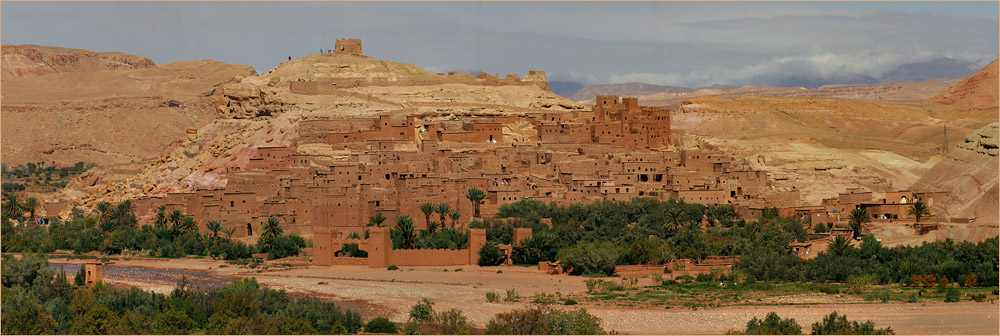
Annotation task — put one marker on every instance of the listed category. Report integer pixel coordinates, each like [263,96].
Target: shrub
[392,267]
[543,298]
[684,278]
[834,324]
[512,296]
[592,284]
[541,320]
[586,258]
[381,325]
[569,302]
[979,297]
[952,295]
[773,325]
[490,255]
[452,322]
[492,296]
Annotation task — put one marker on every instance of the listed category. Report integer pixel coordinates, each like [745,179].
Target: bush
[979,297]
[952,295]
[392,267]
[452,322]
[684,278]
[773,325]
[490,255]
[590,258]
[381,325]
[512,296]
[492,296]
[569,302]
[541,320]
[820,228]
[834,324]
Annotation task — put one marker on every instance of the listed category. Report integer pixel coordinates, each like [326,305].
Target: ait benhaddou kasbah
[502,168]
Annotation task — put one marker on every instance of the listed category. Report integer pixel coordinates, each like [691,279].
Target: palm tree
[427,209]
[214,226]
[857,221]
[919,210]
[476,196]
[376,220]
[31,205]
[14,209]
[442,210]
[433,226]
[229,232]
[838,245]
[455,215]
[270,232]
[675,219]
[404,227]
[161,216]
[188,225]
[103,212]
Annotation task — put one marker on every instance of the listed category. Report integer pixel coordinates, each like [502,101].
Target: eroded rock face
[979,89]
[970,174]
[242,101]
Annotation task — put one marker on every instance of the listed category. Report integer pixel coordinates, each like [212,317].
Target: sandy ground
[391,293]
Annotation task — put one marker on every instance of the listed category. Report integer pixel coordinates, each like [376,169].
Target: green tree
[229,231]
[270,231]
[103,215]
[455,215]
[589,258]
[14,208]
[98,320]
[381,325]
[31,205]
[173,321]
[27,318]
[838,245]
[376,220]
[404,231]
[442,209]
[490,255]
[918,210]
[475,196]
[427,209]
[773,325]
[834,324]
[859,217]
[214,226]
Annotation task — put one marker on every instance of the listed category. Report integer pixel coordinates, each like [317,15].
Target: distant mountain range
[909,72]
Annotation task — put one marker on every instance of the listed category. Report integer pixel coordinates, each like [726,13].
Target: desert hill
[32,60]
[624,89]
[823,146]
[88,113]
[981,88]
[892,92]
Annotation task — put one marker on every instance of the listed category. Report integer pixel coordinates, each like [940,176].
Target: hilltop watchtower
[348,46]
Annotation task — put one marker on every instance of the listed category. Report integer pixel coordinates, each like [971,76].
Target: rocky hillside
[31,60]
[981,88]
[822,146]
[96,115]
[969,173]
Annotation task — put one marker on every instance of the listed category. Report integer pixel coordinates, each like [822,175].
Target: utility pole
[944,145]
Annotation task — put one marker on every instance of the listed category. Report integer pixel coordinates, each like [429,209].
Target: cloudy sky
[667,43]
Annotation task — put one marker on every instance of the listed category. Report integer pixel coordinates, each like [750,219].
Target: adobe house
[93,275]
